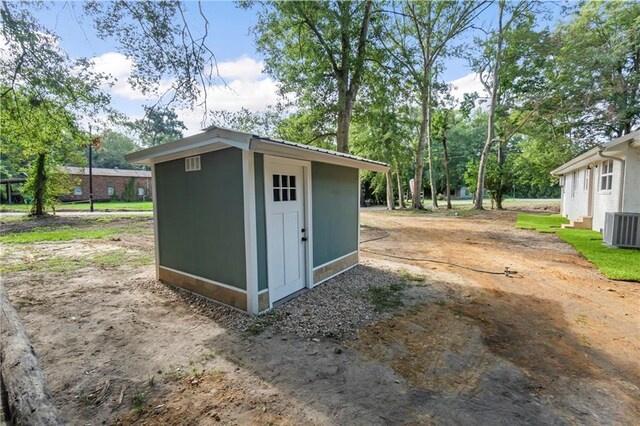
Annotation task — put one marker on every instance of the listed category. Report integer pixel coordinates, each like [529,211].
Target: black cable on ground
[506,271]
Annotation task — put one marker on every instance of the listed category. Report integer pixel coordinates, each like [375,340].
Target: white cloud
[120,67]
[468,84]
[246,87]
[243,68]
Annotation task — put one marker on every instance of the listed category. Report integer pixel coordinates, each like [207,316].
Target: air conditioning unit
[622,230]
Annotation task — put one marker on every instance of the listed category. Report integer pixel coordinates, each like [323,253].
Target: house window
[586,179]
[111,191]
[574,184]
[141,192]
[77,190]
[606,175]
[284,188]
[192,164]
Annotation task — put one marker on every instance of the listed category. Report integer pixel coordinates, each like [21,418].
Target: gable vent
[192,164]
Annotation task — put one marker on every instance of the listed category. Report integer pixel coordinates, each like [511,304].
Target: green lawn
[98,206]
[615,263]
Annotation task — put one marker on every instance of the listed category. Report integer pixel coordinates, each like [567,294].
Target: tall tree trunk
[432,179]
[400,191]
[344,117]
[422,144]
[446,168]
[499,195]
[391,204]
[40,184]
[486,150]
[348,86]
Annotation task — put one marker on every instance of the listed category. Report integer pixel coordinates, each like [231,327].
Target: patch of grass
[98,206]
[138,400]
[386,298]
[261,322]
[66,264]
[408,276]
[120,257]
[615,263]
[581,319]
[540,223]
[64,233]
[174,374]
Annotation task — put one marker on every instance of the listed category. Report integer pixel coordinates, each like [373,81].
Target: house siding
[335,211]
[605,201]
[101,185]
[575,202]
[201,217]
[632,182]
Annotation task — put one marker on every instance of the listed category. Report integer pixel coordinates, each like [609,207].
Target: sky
[238,62]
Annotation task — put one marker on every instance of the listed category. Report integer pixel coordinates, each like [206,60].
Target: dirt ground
[556,343]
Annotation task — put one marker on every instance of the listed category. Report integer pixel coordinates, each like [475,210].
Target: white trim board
[250,231]
[156,235]
[207,280]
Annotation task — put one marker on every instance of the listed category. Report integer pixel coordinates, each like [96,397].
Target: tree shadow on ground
[462,355]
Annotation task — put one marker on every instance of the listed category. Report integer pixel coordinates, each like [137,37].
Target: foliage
[113,147]
[129,193]
[596,74]
[159,125]
[43,134]
[317,51]
[244,120]
[34,60]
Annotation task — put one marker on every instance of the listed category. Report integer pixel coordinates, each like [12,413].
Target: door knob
[304,238]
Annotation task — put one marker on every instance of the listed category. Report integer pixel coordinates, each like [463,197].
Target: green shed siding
[261,222]
[201,217]
[335,211]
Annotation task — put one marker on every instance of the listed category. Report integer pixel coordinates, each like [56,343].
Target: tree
[259,123]
[317,51]
[416,36]
[490,65]
[159,125]
[597,70]
[113,147]
[43,134]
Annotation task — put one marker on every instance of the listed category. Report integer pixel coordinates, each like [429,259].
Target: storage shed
[249,220]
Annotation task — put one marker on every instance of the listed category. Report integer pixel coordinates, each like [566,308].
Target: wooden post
[28,398]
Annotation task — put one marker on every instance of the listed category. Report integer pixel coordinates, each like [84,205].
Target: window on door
[284,188]
[606,175]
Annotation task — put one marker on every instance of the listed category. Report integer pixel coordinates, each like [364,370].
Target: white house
[603,179]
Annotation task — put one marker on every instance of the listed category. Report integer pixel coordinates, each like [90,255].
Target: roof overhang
[614,148]
[217,138]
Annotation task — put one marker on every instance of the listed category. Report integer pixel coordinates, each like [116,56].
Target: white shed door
[285,228]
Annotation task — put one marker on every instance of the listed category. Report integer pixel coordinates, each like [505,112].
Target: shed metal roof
[215,137]
[99,171]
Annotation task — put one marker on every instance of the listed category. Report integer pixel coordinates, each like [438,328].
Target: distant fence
[25,396]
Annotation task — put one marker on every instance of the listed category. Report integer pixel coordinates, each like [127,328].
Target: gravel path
[336,308]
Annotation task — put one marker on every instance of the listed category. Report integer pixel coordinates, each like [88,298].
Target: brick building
[108,184]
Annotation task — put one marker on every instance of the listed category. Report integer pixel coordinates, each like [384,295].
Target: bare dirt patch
[558,343]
